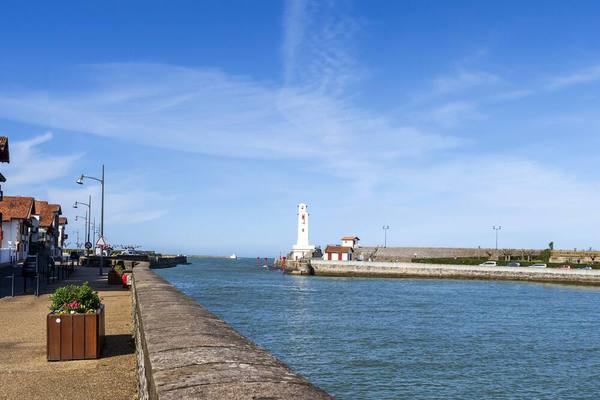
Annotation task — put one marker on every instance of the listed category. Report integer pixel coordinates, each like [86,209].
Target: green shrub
[119,267]
[73,299]
[545,255]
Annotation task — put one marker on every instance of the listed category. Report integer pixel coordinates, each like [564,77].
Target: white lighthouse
[302,249]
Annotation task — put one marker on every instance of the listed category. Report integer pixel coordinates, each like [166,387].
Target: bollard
[12,288]
[37,285]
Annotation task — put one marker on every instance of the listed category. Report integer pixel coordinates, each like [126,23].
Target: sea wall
[408,253]
[156,261]
[186,352]
[167,261]
[414,270]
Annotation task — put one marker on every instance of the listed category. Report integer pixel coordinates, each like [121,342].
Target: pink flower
[73,305]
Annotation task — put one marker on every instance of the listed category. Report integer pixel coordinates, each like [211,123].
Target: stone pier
[439,271]
[185,352]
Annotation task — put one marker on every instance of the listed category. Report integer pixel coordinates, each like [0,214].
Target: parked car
[586,267]
[488,264]
[538,265]
[513,264]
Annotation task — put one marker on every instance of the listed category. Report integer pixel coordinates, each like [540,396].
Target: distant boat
[233,256]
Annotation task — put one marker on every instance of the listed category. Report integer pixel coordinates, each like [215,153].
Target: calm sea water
[411,339]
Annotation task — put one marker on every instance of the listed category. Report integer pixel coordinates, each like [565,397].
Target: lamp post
[95,230]
[385,229]
[496,228]
[89,213]
[101,180]
[78,243]
[85,218]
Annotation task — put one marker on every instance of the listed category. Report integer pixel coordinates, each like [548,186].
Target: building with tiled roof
[17,214]
[4,155]
[62,235]
[48,228]
[17,207]
[47,214]
[336,252]
[350,241]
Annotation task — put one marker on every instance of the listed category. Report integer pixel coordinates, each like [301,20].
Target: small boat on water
[233,257]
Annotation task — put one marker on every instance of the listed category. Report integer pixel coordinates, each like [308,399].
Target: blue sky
[214,119]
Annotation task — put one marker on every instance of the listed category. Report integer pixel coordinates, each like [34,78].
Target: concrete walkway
[24,371]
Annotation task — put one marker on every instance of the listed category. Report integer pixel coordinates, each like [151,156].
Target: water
[414,339]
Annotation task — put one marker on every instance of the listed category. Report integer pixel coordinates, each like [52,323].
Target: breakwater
[155,261]
[439,271]
[184,351]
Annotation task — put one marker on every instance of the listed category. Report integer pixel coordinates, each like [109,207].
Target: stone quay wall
[156,261]
[408,253]
[186,352]
[167,261]
[438,271]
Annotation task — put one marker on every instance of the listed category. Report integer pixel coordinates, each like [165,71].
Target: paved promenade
[24,371]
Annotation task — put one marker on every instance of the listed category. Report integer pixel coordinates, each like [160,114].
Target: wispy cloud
[31,165]
[453,113]
[463,80]
[587,75]
[209,112]
[318,48]
[126,202]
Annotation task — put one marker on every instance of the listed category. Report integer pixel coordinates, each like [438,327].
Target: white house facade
[338,253]
[350,241]
[17,213]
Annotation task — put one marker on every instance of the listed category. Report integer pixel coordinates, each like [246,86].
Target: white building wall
[349,243]
[11,233]
[302,226]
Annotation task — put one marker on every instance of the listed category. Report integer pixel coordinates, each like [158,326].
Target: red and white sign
[101,242]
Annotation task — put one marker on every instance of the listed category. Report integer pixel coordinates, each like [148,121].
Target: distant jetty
[376,269]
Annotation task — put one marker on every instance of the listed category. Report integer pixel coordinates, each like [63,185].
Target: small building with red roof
[48,228]
[335,252]
[343,252]
[17,213]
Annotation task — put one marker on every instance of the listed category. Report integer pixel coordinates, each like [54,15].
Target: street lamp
[385,229]
[496,228]
[89,213]
[86,223]
[101,180]
[85,218]
[78,243]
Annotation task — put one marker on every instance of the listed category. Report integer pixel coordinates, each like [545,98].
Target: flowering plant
[73,299]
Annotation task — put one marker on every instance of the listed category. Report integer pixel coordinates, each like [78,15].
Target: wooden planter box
[75,336]
[114,278]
